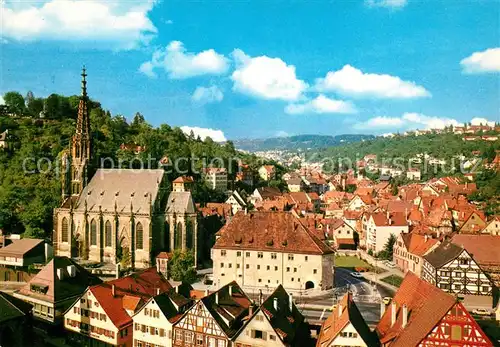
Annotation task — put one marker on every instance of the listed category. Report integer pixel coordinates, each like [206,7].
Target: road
[366,295]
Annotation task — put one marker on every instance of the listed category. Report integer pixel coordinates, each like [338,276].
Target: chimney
[382,309]
[117,270]
[393,312]
[250,311]
[207,293]
[177,289]
[405,315]
[230,290]
[388,216]
[290,301]
[340,309]
[260,297]
[157,291]
[113,292]
[217,297]
[275,303]
[426,237]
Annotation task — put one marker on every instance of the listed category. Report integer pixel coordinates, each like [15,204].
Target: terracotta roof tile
[266,231]
[426,307]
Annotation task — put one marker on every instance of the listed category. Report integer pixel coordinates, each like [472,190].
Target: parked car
[356,274]
[390,264]
[481,312]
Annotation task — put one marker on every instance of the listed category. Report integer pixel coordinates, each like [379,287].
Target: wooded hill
[28,194]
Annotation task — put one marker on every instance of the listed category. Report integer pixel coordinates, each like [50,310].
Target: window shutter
[264,336]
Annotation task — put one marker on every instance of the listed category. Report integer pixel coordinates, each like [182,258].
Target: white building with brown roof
[267,172]
[346,327]
[264,249]
[25,252]
[409,250]
[153,323]
[379,226]
[216,178]
[104,312]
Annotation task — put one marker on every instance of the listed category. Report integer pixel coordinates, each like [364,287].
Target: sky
[255,69]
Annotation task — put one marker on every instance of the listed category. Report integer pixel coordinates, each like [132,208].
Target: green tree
[15,102]
[386,253]
[181,267]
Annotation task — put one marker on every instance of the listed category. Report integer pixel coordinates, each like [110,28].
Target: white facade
[151,326]
[265,269]
[377,236]
[87,317]
[348,336]
[216,179]
[258,333]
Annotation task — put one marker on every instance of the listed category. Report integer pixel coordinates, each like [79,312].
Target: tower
[80,153]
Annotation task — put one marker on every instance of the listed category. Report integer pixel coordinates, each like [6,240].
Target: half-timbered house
[153,323]
[451,268]
[214,320]
[346,327]
[276,322]
[103,314]
[422,315]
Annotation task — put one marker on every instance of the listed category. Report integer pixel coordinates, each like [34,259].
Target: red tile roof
[346,312]
[389,219]
[426,305]
[483,248]
[418,244]
[140,285]
[184,179]
[267,231]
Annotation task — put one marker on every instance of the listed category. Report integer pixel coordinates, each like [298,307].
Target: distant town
[279,252]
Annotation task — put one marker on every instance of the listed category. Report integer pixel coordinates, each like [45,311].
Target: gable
[199,319]
[458,326]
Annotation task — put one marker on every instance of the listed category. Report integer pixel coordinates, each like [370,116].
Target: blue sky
[264,68]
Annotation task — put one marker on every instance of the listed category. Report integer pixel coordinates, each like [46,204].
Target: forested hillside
[298,142]
[29,192]
[441,146]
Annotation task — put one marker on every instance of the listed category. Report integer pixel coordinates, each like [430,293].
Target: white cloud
[408,121]
[427,122]
[321,104]
[214,134]
[180,64]
[120,25]
[380,122]
[481,121]
[265,77]
[281,133]
[387,3]
[482,62]
[351,81]
[206,95]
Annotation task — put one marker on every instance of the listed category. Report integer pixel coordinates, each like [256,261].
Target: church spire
[84,82]
[81,144]
[82,122]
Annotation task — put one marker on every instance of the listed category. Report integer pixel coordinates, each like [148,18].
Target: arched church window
[93,233]
[189,235]
[139,236]
[107,234]
[178,236]
[64,230]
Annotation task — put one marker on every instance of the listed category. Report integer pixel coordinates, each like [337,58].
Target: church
[121,215]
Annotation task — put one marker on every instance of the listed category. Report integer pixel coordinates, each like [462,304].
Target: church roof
[123,187]
[180,202]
